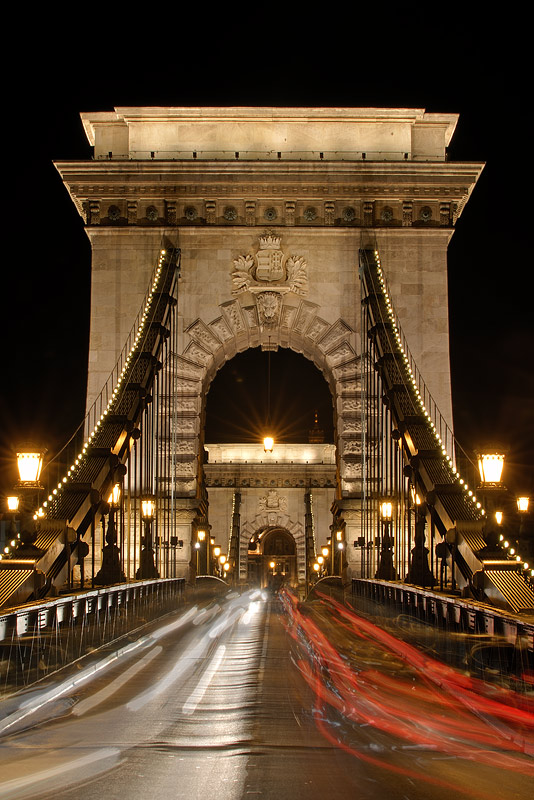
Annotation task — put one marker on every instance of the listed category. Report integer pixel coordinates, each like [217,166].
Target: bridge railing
[38,639]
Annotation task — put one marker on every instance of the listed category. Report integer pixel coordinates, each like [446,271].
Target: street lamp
[386,570]
[111,568]
[147,568]
[29,463]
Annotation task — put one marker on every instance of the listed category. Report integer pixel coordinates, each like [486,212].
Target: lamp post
[111,569]
[147,568]
[492,492]
[202,552]
[337,547]
[216,553]
[29,464]
[386,570]
[420,573]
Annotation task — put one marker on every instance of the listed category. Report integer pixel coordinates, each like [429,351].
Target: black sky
[481,75]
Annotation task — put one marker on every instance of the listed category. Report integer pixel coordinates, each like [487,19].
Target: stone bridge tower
[269,207]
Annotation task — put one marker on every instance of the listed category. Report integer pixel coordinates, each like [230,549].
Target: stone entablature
[297,466]
[319,194]
[337,133]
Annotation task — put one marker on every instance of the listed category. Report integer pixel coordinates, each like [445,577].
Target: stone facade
[320,183]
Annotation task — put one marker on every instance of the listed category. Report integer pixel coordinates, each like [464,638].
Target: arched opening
[237,401]
[272,559]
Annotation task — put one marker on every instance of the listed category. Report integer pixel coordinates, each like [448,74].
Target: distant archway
[272,559]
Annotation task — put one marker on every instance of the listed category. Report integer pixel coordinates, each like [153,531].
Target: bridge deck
[245,697]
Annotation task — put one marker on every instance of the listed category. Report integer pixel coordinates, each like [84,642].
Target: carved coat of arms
[272,501]
[270,267]
[268,275]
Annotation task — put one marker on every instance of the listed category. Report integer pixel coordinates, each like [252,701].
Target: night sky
[45,317]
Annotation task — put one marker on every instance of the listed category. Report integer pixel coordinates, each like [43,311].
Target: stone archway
[262,525]
[272,560]
[297,325]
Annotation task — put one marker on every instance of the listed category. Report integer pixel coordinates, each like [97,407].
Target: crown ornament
[270,242]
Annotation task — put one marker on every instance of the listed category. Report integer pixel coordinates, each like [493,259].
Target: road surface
[251,696]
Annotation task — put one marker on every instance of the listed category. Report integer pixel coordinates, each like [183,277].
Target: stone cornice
[161,172]
[264,182]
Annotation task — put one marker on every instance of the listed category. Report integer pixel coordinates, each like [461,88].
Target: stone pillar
[187,511]
[348,516]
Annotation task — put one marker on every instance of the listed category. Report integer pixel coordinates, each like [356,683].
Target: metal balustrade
[38,639]
[483,639]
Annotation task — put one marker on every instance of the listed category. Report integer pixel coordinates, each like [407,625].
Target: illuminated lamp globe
[13,503]
[490,466]
[523,504]
[268,444]
[115,496]
[29,463]
[386,510]
[148,508]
